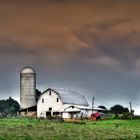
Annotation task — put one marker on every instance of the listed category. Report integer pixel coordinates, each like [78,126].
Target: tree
[38,93]
[126,109]
[9,107]
[118,109]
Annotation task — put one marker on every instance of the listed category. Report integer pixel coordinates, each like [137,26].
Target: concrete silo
[27,88]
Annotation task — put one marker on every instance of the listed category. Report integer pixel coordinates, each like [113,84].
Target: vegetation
[38,93]
[118,109]
[41,129]
[9,107]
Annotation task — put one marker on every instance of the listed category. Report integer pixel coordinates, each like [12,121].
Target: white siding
[50,101]
[66,115]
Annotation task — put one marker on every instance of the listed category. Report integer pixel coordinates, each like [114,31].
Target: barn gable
[70,97]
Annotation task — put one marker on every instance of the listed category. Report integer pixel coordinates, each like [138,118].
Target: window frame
[50,108]
[43,100]
[50,92]
[57,100]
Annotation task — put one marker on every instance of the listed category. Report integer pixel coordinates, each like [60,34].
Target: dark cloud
[90,46]
[110,23]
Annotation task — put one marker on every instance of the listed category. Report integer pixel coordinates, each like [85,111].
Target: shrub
[114,116]
[125,115]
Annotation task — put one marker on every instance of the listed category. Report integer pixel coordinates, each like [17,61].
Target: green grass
[35,129]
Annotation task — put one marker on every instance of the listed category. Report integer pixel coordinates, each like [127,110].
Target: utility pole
[130,108]
[92,104]
[131,111]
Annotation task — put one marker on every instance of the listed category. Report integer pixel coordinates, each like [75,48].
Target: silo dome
[27,70]
[27,88]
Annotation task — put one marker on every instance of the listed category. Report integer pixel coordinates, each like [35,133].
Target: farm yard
[41,129]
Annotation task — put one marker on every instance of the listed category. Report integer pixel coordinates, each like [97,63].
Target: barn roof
[71,97]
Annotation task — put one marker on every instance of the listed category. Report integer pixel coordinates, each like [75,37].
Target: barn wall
[66,115]
[50,101]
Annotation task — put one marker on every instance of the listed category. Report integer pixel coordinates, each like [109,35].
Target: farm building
[59,102]
[50,103]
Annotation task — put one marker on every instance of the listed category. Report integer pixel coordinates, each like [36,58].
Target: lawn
[35,129]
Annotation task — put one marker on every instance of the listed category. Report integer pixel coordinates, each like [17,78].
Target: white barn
[65,104]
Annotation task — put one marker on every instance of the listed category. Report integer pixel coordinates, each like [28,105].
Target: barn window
[49,92]
[42,100]
[72,107]
[57,99]
[50,109]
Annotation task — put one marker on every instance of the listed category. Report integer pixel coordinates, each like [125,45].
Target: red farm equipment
[95,116]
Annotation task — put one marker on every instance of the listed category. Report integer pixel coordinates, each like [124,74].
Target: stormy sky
[91,46]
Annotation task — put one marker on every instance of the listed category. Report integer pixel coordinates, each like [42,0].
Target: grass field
[33,129]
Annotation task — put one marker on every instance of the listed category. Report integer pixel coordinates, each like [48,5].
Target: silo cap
[27,70]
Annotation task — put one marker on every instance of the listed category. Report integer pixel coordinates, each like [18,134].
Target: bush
[136,117]
[114,116]
[125,115]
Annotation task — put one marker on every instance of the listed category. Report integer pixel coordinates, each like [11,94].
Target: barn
[56,102]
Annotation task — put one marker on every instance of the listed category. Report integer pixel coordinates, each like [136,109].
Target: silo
[27,88]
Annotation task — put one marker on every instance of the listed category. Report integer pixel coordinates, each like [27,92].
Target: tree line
[9,107]
[116,109]
[118,112]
